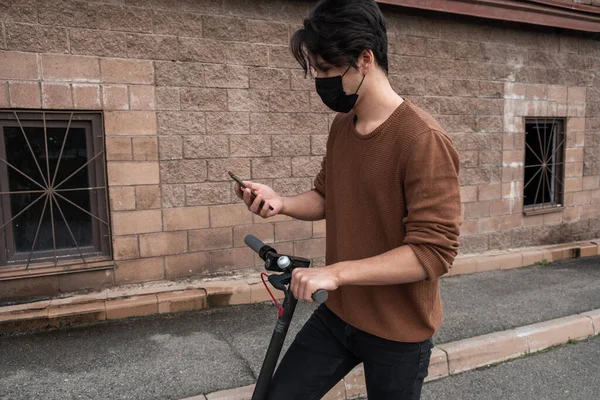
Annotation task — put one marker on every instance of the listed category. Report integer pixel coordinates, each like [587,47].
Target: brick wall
[192,88]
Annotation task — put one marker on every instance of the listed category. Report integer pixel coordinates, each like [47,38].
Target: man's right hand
[264,193]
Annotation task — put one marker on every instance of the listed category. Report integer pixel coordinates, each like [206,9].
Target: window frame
[97,186]
[558,175]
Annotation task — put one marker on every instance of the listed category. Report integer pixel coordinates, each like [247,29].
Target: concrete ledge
[595,317]
[476,352]
[355,383]
[232,394]
[183,300]
[463,355]
[438,364]
[118,303]
[169,297]
[224,293]
[135,306]
[558,331]
[523,257]
[24,311]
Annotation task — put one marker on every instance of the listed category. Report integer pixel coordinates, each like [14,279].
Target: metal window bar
[547,170]
[55,202]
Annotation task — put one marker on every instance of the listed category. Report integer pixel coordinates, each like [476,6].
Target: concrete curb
[523,257]
[464,355]
[117,303]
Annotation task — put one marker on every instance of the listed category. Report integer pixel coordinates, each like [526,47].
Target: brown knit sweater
[396,186]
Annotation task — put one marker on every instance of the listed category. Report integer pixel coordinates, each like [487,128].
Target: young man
[389,191]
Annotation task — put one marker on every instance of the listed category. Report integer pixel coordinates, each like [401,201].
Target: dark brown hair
[338,31]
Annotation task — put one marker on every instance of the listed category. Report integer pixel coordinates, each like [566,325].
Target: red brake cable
[279,307]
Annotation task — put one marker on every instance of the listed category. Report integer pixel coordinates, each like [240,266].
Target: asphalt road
[178,356]
[570,372]
[477,304]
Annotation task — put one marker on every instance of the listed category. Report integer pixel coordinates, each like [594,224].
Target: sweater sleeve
[432,193]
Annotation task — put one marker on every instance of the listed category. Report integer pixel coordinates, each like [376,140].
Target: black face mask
[332,93]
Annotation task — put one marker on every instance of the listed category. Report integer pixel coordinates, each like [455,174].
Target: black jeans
[326,349]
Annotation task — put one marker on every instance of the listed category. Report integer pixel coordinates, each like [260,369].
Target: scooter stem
[281,327]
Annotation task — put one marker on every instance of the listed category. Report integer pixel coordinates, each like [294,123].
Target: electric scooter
[284,264]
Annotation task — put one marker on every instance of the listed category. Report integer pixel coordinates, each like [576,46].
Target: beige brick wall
[190,89]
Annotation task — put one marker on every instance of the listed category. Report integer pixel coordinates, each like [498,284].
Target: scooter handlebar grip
[320,296]
[254,243]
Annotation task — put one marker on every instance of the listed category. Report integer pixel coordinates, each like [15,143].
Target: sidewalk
[163,297]
[176,356]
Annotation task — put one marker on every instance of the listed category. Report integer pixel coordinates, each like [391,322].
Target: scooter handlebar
[254,243]
[320,296]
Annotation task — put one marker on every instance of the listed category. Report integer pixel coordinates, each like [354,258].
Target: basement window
[53,195]
[544,162]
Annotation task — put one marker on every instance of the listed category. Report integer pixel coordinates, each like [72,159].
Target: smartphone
[252,192]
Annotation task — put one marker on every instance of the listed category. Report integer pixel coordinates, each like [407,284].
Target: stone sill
[47,269]
[543,211]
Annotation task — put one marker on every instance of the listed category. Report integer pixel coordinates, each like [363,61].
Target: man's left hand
[306,281]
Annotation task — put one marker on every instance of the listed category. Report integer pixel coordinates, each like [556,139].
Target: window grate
[544,164]
[53,189]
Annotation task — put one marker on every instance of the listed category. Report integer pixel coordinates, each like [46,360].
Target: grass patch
[543,262]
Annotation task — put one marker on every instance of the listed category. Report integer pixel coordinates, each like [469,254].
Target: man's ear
[366,61]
